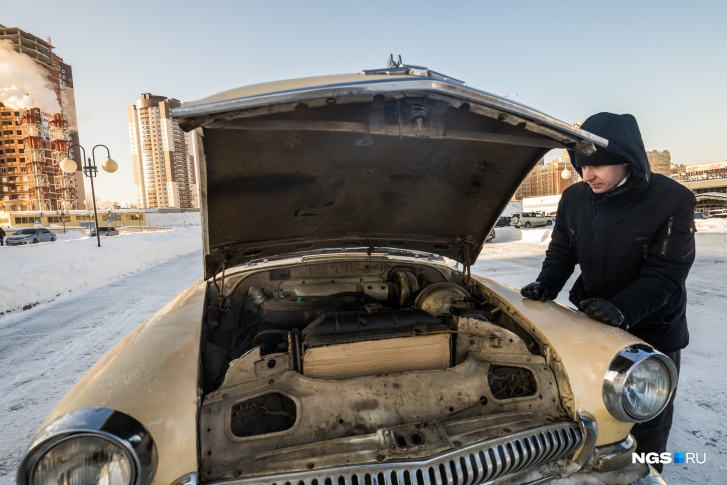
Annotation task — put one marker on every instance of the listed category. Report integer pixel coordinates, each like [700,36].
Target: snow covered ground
[40,272]
[82,299]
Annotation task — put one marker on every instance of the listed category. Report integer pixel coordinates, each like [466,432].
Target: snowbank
[36,273]
[510,234]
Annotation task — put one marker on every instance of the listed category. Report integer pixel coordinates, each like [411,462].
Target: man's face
[603,178]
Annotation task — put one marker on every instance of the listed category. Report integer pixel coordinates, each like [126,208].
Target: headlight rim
[58,440]
[113,426]
[621,368]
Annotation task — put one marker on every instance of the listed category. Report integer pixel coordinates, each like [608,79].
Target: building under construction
[34,140]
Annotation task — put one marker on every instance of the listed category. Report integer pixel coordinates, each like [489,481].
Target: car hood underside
[400,162]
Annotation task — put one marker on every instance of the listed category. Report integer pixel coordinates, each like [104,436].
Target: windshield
[25,232]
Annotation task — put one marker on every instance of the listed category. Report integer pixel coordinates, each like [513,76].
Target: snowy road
[43,351]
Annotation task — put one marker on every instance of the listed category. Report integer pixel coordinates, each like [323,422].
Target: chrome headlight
[638,384]
[90,446]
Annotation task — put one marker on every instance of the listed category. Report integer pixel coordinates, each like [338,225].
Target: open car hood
[399,158]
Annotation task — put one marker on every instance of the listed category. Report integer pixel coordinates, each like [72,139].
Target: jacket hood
[624,142]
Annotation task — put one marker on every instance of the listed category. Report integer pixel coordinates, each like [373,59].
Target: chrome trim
[119,428]
[613,456]
[188,479]
[472,464]
[399,68]
[403,84]
[619,371]
[590,427]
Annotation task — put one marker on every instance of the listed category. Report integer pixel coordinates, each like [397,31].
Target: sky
[95,296]
[662,61]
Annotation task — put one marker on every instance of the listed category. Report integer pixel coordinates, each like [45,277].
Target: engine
[338,327]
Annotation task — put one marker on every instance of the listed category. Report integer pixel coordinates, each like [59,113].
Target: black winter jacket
[635,247]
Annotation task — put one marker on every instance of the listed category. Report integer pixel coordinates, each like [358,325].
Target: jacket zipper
[668,235]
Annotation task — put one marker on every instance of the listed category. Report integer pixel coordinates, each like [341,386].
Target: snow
[82,299]
[40,272]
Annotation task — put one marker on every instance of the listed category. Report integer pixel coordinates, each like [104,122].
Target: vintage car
[333,339]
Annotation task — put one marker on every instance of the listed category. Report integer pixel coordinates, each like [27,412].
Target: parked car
[700,215]
[503,221]
[30,236]
[105,231]
[329,341]
[718,213]
[530,219]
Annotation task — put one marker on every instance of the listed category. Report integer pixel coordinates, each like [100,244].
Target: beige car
[331,340]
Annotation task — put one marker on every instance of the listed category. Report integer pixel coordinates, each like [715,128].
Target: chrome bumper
[477,463]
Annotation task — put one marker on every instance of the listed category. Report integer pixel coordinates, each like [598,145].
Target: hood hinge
[466,257]
[221,287]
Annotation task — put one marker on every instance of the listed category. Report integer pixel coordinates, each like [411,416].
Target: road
[44,350]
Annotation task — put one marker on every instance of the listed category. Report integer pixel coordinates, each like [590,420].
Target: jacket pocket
[679,239]
[669,229]
[642,251]
[572,236]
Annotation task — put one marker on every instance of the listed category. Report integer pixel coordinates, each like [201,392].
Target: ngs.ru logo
[678,458]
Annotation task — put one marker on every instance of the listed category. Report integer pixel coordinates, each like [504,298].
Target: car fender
[152,375]
[578,349]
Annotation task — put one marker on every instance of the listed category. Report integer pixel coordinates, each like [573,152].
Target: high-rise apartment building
[37,126]
[164,173]
[660,161]
[548,178]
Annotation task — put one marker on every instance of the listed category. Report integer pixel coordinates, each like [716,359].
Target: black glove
[538,291]
[604,311]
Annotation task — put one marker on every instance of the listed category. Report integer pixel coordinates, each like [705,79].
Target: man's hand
[538,291]
[604,311]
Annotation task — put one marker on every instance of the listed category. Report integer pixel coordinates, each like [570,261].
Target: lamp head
[109,165]
[68,166]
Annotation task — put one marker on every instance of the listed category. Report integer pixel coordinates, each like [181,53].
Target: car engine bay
[360,358]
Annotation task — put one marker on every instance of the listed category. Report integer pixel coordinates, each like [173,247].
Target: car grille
[473,464]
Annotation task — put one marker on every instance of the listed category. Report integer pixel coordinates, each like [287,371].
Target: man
[2,237]
[632,233]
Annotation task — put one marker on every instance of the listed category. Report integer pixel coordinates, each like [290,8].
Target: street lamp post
[90,170]
[63,218]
